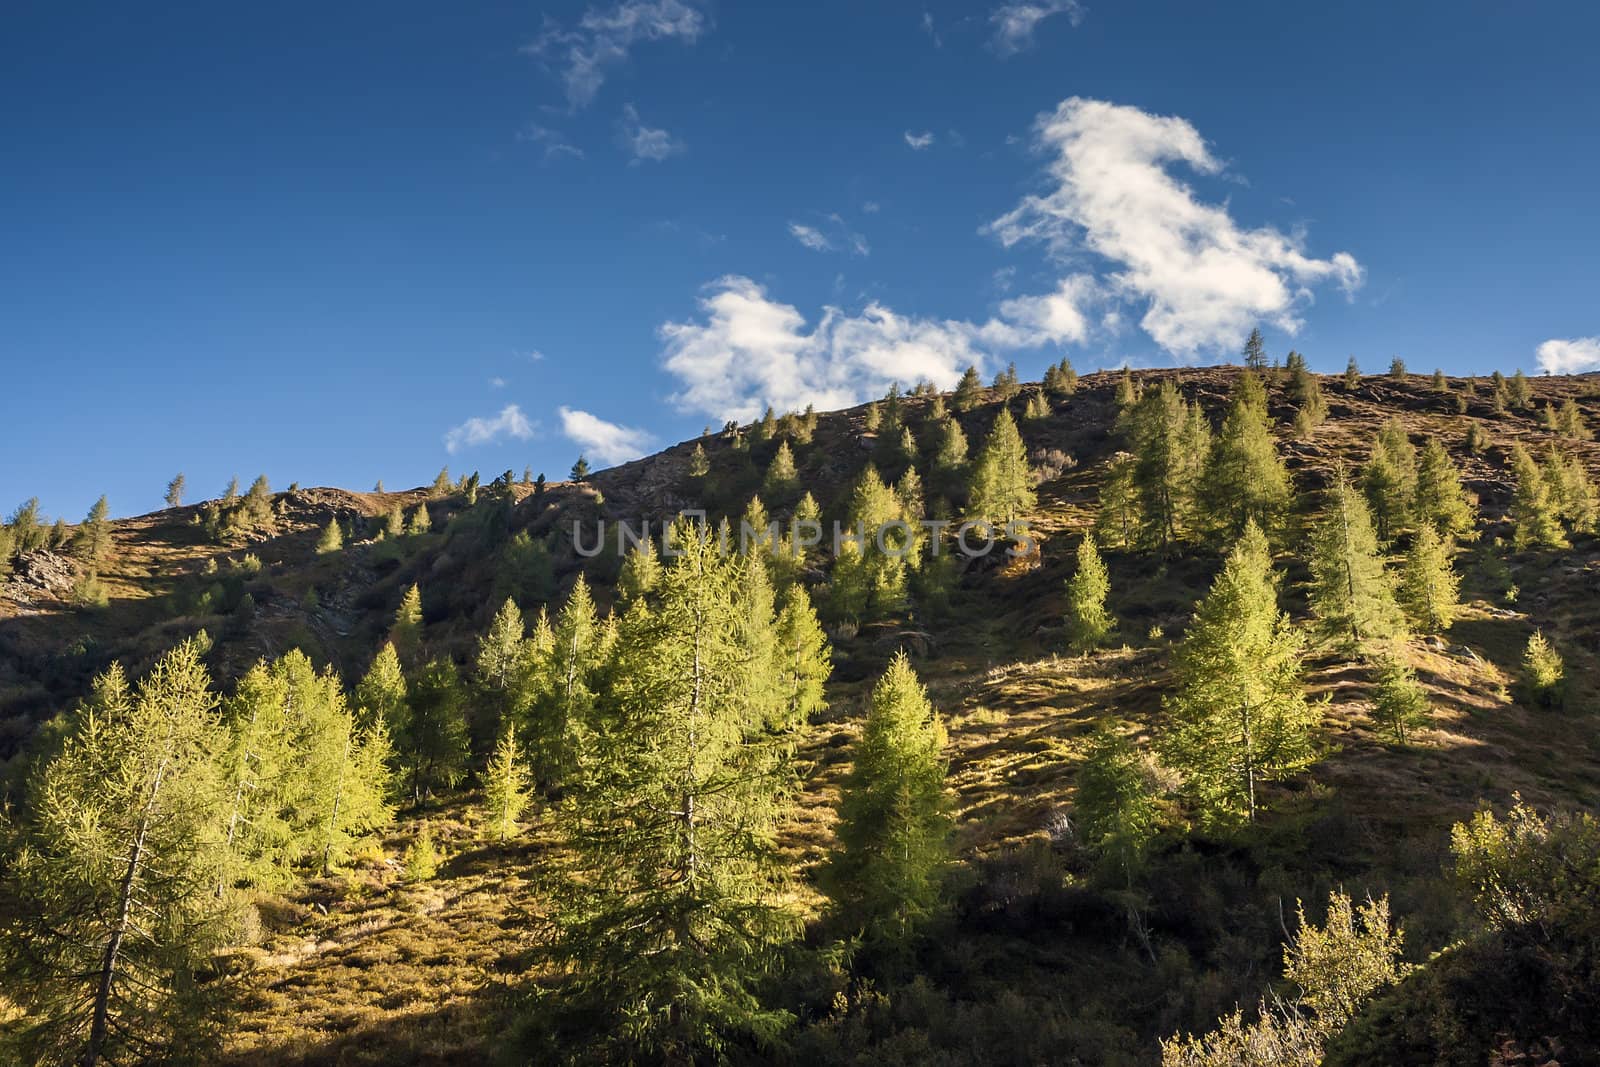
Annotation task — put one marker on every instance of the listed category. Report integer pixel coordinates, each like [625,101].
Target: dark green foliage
[1399,703]
[1115,802]
[431,737]
[1352,594]
[1255,351]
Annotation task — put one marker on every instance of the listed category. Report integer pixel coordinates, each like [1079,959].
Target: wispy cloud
[511,422]
[839,235]
[1202,280]
[1014,23]
[919,141]
[810,236]
[1572,356]
[606,442]
[604,38]
[497,383]
[645,142]
[554,142]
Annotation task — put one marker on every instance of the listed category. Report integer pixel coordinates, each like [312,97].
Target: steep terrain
[1041,960]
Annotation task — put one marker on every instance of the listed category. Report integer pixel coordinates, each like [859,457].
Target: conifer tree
[804,660]
[394,523]
[331,539]
[566,703]
[1245,479]
[1569,421]
[1544,672]
[755,613]
[1002,481]
[381,694]
[1428,584]
[1397,369]
[969,391]
[1352,595]
[1118,519]
[909,490]
[1440,501]
[1352,375]
[231,494]
[1400,704]
[1572,494]
[1520,397]
[421,860]
[111,912]
[580,469]
[782,478]
[420,522]
[93,538]
[869,577]
[1476,439]
[1534,512]
[1036,408]
[699,464]
[175,489]
[1240,713]
[1168,439]
[1255,351]
[641,572]
[1006,385]
[1390,480]
[1440,383]
[872,420]
[406,633]
[431,741]
[670,910]
[1088,622]
[441,483]
[951,458]
[503,669]
[505,785]
[1061,379]
[894,823]
[1114,802]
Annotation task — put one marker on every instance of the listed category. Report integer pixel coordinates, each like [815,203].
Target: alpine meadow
[897,536]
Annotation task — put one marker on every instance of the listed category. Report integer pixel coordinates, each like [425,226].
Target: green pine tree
[1118,520]
[431,739]
[1245,479]
[1169,441]
[1002,481]
[669,910]
[580,469]
[804,661]
[1352,375]
[886,878]
[1088,622]
[111,909]
[1255,351]
[93,538]
[641,572]
[1544,673]
[565,706]
[1399,704]
[1240,715]
[331,539]
[406,633]
[174,497]
[1390,480]
[969,391]
[1535,513]
[1352,594]
[1428,583]
[1114,801]
[505,786]
[782,478]
[1440,501]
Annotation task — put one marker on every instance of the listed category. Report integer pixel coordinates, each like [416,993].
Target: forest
[1267,737]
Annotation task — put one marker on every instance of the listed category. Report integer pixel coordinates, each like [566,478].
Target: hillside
[1041,958]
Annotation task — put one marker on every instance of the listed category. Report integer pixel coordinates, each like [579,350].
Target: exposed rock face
[40,573]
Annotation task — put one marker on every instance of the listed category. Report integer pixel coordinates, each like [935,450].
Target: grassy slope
[364,969]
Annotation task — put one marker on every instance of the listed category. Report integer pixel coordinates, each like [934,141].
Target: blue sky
[338,243]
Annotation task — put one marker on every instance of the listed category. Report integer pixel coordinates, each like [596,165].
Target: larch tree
[755,612]
[1118,520]
[969,391]
[381,693]
[175,489]
[1245,479]
[93,538]
[406,632]
[1390,480]
[580,469]
[1240,715]
[1088,622]
[641,572]
[782,477]
[431,741]
[111,910]
[506,785]
[1440,500]
[1428,582]
[1170,444]
[804,660]
[1535,514]
[1002,481]
[1114,801]
[1255,351]
[567,686]
[672,909]
[1399,703]
[1571,492]
[886,877]
[869,577]
[1352,375]
[331,539]
[1352,594]
[502,669]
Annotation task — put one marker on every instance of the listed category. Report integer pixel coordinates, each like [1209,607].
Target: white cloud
[604,39]
[1572,356]
[811,237]
[511,422]
[751,351]
[842,236]
[1014,23]
[497,383]
[1203,280]
[871,207]
[644,142]
[554,145]
[1055,317]
[919,141]
[603,441]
